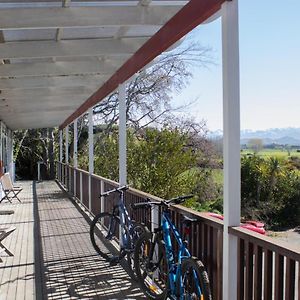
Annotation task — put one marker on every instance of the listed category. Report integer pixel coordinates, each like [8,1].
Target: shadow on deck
[53,255]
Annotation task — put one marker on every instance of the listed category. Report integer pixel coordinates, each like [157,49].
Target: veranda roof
[57,59]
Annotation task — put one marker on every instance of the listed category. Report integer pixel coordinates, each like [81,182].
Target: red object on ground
[255,226]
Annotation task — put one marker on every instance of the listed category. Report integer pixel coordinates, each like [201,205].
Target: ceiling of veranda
[55,54]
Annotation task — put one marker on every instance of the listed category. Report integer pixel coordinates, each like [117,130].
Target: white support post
[1,158]
[60,146]
[67,157]
[1,132]
[11,155]
[60,155]
[75,160]
[91,154]
[67,145]
[231,144]
[122,135]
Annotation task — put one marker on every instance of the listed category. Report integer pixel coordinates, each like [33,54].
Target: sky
[269,33]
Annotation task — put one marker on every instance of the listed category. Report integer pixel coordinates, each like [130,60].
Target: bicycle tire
[153,279]
[100,232]
[138,230]
[188,280]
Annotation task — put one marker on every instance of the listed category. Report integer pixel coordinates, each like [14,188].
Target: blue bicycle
[163,272]
[113,234]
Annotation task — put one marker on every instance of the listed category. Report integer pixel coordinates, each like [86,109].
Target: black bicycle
[114,234]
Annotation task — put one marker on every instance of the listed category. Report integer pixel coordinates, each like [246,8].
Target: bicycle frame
[124,219]
[174,267]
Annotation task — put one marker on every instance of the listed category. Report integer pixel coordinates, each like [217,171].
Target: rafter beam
[37,109]
[58,81]
[59,17]
[34,103]
[46,92]
[59,68]
[44,49]
[32,120]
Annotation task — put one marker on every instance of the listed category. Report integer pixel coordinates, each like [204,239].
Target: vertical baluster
[241,269]
[258,273]
[249,271]
[205,244]
[214,274]
[220,263]
[210,254]
[202,242]
[290,280]
[279,264]
[268,272]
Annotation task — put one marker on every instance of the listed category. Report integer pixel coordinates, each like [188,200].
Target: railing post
[122,135]
[231,144]
[69,179]
[91,155]
[67,155]
[1,146]
[75,160]
[60,154]
[81,192]
[11,156]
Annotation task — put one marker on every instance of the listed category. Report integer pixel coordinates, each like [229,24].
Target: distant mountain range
[280,136]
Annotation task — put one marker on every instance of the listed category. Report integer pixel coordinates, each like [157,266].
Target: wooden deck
[53,255]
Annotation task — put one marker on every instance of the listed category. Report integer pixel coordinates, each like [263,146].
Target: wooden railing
[267,269]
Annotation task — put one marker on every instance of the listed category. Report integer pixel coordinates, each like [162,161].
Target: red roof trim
[190,16]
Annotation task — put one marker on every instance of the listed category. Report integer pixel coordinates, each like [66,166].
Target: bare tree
[150,92]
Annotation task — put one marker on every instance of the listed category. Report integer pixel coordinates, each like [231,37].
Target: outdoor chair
[4,233]
[10,191]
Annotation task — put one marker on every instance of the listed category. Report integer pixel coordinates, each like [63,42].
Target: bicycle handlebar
[119,190]
[148,204]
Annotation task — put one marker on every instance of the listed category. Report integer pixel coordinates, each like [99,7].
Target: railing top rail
[178,208]
[280,247]
[199,215]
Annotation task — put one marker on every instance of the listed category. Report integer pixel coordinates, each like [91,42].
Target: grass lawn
[272,152]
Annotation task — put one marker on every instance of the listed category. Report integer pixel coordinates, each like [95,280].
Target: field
[273,152]
[265,153]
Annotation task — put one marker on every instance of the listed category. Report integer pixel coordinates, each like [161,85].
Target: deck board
[53,255]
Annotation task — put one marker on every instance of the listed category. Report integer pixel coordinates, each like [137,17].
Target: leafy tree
[270,191]
[160,162]
[31,146]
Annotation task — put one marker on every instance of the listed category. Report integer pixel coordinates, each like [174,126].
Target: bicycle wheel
[137,231]
[104,234]
[151,266]
[195,283]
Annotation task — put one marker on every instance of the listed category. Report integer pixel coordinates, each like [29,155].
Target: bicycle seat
[186,219]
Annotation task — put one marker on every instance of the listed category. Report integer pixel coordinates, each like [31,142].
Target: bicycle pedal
[114,261]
